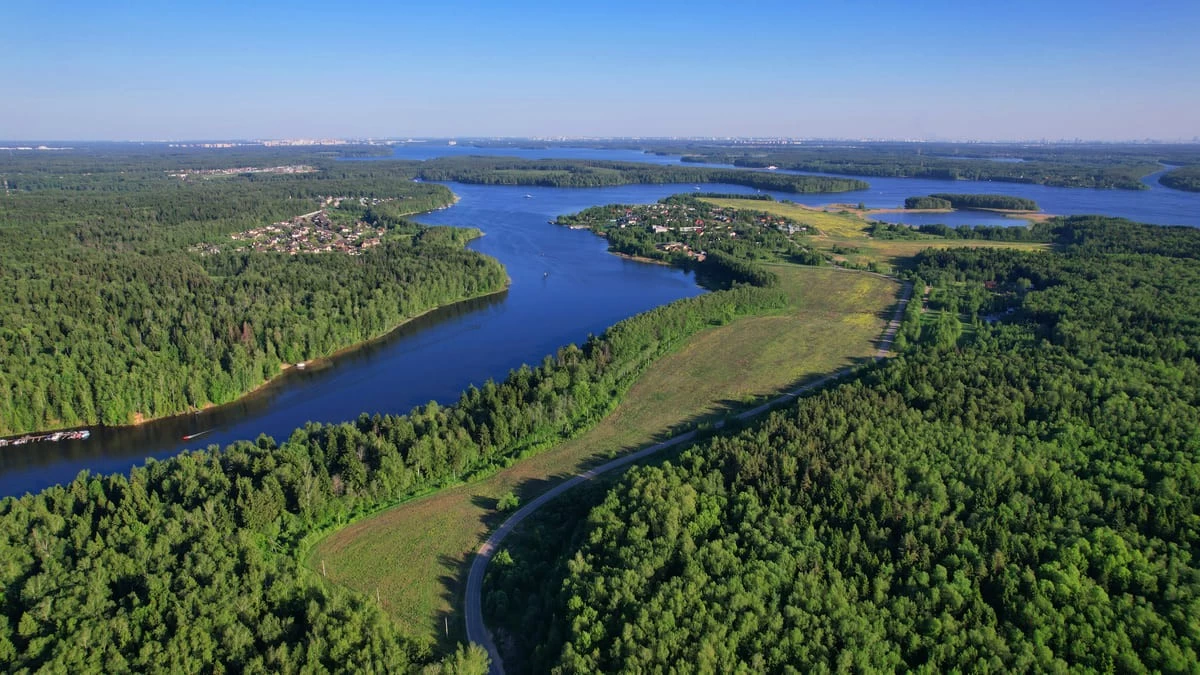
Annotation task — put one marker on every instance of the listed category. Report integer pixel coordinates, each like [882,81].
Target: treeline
[726,266]
[189,564]
[1021,495]
[927,203]
[578,173]
[1061,166]
[757,196]
[1185,178]
[1036,232]
[960,201]
[107,318]
[109,339]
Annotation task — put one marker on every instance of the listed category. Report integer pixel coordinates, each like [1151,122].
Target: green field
[414,557]
[845,231]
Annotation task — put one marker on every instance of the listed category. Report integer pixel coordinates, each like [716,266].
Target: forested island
[579,173]
[964,201]
[1105,166]
[128,295]
[1116,166]
[1017,491]
[1186,178]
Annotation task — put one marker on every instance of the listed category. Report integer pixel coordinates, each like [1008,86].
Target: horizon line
[392,140]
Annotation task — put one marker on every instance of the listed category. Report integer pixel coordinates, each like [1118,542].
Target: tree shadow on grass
[449,627]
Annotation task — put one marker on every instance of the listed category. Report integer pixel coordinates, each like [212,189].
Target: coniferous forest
[1018,490]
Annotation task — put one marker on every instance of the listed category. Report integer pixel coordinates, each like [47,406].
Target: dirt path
[477,631]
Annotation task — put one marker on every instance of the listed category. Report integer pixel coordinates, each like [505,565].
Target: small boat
[302,365]
[196,435]
[545,274]
[528,196]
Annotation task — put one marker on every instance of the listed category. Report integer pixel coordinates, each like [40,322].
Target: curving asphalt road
[478,633]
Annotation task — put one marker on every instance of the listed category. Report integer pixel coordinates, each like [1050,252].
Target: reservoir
[564,286]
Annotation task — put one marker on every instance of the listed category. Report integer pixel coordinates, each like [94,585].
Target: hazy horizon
[467,138]
[1025,72]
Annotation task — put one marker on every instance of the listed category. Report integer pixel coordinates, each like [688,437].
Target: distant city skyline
[1023,72]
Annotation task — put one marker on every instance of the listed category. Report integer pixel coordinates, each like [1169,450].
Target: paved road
[477,632]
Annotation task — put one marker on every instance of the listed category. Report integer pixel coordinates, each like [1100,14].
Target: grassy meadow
[414,557]
[843,234]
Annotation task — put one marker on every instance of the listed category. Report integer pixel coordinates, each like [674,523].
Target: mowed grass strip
[414,557]
[848,233]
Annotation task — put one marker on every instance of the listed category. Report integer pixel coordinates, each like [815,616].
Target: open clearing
[843,234]
[415,556]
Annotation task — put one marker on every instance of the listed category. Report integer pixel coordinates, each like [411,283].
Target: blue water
[565,286]
[1157,205]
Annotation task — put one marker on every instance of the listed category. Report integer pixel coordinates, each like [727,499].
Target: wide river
[564,286]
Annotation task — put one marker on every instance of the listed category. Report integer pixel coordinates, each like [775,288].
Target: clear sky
[102,69]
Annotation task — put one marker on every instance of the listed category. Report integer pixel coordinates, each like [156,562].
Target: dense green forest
[926,203]
[1004,202]
[578,173]
[108,316]
[1037,232]
[1018,490]
[1184,178]
[191,563]
[962,201]
[1058,166]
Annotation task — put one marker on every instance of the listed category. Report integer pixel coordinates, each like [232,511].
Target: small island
[943,201]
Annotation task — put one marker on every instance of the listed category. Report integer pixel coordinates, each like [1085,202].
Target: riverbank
[637,258]
[316,363]
[405,552]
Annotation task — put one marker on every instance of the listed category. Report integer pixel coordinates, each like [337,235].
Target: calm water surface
[565,286]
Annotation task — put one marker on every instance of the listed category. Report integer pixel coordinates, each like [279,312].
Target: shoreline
[140,419]
[641,259]
[274,380]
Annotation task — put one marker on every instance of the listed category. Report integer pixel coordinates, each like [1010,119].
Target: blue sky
[131,70]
